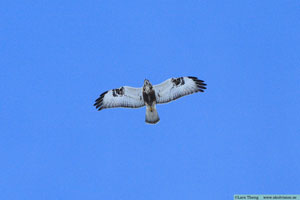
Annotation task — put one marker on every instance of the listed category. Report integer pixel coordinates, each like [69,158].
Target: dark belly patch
[149,98]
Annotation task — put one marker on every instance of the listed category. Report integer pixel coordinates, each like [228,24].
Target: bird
[149,95]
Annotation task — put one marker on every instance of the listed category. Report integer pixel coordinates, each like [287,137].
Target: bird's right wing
[125,96]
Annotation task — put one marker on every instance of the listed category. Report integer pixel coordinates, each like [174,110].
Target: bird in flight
[149,95]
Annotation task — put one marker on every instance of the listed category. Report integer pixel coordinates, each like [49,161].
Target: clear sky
[239,137]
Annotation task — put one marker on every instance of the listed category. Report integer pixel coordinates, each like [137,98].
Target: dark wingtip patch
[193,77]
[99,102]
[201,87]
[200,83]
[100,108]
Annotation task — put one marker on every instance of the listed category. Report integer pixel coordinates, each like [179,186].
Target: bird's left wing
[125,96]
[175,88]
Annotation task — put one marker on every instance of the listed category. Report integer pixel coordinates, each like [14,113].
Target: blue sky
[239,137]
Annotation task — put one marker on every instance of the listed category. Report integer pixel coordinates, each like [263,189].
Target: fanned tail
[151,115]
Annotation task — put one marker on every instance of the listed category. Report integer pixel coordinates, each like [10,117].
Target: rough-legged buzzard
[150,95]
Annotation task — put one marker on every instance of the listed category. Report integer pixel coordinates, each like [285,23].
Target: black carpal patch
[178,81]
[118,92]
[114,93]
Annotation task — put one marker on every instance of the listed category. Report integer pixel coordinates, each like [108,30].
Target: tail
[151,115]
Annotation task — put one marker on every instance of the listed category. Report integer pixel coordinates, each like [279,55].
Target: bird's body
[150,95]
[150,102]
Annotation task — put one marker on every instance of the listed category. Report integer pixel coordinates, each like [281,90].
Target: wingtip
[99,101]
[200,83]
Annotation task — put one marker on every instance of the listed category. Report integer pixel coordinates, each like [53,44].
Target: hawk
[149,95]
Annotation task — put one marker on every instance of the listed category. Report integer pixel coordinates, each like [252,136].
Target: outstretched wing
[175,88]
[127,97]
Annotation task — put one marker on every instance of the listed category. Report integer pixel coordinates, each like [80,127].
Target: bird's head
[146,82]
[147,86]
